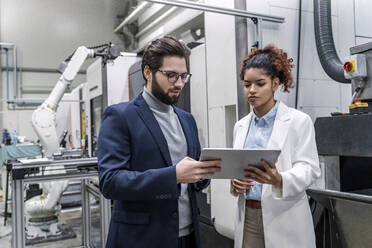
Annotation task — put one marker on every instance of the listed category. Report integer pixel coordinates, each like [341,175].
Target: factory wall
[318,95]
[45,33]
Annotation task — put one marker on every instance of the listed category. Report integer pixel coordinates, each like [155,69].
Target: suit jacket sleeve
[118,181]
[305,162]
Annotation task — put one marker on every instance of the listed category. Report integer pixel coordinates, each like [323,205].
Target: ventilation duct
[327,53]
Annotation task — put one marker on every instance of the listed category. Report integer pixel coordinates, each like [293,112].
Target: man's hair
[159,48]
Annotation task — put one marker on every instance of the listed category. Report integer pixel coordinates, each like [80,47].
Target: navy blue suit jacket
[136,171]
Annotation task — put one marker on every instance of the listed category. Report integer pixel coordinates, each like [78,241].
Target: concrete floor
[70,218]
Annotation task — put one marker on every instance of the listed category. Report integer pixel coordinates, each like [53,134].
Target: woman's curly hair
[273,61]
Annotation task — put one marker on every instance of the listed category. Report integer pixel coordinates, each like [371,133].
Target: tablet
[235,161]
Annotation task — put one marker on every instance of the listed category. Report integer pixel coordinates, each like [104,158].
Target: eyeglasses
[173,76]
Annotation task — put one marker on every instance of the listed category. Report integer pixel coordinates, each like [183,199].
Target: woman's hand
[270,176]
[241,186]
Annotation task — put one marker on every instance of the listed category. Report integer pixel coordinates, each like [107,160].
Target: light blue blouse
[258,137]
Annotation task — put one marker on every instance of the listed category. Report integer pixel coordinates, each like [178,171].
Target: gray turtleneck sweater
[177,146]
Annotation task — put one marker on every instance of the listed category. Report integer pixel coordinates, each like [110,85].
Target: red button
[348,66]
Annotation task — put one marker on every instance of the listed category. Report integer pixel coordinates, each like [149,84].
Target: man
[147,157]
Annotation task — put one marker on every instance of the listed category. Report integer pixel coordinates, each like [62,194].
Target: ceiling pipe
[220,10]
[134,15]
[157,21]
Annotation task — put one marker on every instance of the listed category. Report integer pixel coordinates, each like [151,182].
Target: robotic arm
[44,117]
[45,207]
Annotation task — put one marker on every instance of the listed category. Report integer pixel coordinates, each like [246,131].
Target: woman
[273,209]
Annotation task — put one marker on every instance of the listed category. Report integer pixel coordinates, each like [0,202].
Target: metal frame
[220,10]
[255,17]
[18,222]
[346,218]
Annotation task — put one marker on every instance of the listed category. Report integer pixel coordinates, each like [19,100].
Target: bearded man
[148,152]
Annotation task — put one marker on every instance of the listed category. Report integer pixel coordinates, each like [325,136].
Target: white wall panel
[198,92]
[363,17]
[345,28]
[319,93]
[220,58]
[258,6]
[274,33]
[320,111]
[289,4]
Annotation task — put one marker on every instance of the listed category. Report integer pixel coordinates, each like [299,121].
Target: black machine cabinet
[345,135]
[345,148]
[350,138]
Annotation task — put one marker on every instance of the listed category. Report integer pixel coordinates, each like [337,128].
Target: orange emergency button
[349,66]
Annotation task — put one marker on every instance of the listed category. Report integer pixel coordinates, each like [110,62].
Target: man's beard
[159,93]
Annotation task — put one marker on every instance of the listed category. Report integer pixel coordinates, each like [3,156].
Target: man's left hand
[270,176]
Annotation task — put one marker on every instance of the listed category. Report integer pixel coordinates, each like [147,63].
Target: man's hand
[241,186]
[189,170]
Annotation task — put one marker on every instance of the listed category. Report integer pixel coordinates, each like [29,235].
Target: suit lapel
[150,121]
[187,132]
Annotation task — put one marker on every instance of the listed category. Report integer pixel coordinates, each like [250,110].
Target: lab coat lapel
[149,120]
[279,132]
[281,127]
[241,133]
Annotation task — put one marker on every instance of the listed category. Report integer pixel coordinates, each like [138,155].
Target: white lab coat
[286,213]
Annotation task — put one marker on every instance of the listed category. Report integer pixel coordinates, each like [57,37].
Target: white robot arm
[44,117]
[40,209]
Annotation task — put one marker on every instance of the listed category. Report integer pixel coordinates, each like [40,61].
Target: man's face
[159,85]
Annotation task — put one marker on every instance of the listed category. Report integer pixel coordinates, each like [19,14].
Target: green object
[19,151]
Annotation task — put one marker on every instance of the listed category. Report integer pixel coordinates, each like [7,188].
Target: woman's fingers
[258,173]
[255,177]
[269,176]
[241,185]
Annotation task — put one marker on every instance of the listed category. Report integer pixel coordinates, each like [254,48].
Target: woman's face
[259,88]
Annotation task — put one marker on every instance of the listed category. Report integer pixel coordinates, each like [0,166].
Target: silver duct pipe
[327,53]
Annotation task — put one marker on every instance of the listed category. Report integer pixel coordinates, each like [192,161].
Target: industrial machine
[28,171]
[42,210]
[107,84]
[344,146]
